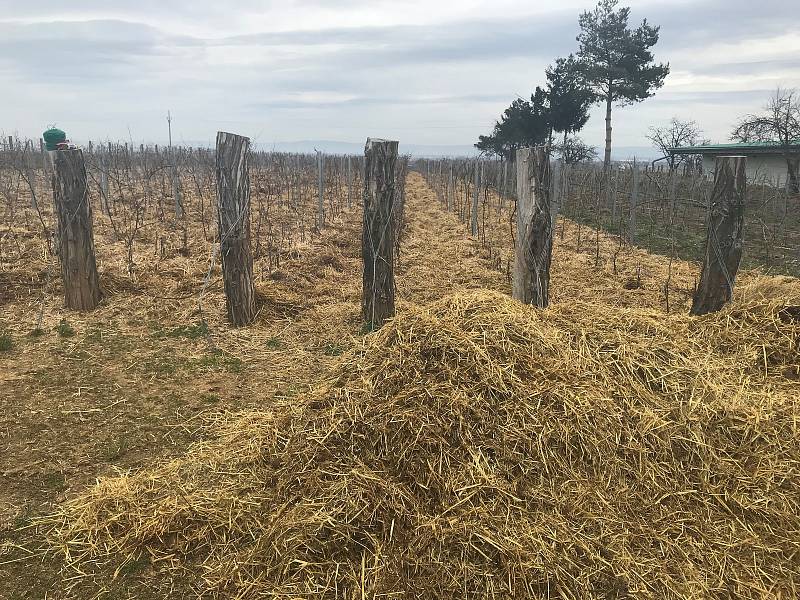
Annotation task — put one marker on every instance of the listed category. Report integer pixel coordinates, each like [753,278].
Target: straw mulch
[477,448]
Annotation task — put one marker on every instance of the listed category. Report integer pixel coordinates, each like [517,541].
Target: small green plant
[210,398]
[64,329]
[6,343]
[219,361]
[192,332]
[333,350]
[36,332]
[274,343]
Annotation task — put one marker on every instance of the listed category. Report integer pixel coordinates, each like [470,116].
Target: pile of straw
[478,448]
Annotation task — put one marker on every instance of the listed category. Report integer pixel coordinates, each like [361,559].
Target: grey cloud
[298,104]
[78,51]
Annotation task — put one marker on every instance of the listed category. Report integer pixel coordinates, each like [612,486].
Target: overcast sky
[421,71]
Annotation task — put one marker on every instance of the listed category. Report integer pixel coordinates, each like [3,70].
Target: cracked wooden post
[233,209]
[75,238]
[725,236]
[534,242]
[377,240]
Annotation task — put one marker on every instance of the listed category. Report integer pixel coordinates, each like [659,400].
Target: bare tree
[573,150]
[780,124]
[678,134]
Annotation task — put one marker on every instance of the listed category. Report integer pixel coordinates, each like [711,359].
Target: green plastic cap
[52,137]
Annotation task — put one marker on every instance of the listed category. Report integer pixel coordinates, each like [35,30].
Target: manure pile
[477,448]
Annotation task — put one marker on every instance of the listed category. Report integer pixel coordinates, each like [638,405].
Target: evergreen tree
[568,95]
[616,62]
[524,123]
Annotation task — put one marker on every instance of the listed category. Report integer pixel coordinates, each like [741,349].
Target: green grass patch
[6,343]
[218,361]
[64,329]
[191,332]
[274,343]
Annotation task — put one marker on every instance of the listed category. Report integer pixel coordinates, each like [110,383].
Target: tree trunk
[534,247]
[377,240]
[233,207]
[76,241]
[725,236]
[607,156]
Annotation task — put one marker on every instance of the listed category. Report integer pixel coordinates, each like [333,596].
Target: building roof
[740,149]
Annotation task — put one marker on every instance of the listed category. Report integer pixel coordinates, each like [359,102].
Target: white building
[766,161]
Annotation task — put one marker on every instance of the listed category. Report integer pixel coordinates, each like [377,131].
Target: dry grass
[503,449]
[477,448]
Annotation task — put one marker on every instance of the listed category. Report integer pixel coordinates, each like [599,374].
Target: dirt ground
[139,379]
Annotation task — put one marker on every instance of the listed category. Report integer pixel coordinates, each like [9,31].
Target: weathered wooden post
[76,241]
[233,208]
[320,189]
[474,211]
[377,241]
[634,201]
[534,243]
[349,183]
[558,170]
[450,189]
[725,236]
[105,206]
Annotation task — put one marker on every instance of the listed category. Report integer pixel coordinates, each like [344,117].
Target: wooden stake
[233,207]
[725,236]
[634,200]
[534,242]
[474,211]
[76,241]
[377,245]
[320,189]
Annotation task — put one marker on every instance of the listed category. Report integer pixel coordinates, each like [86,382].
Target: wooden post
[105,207]
[176,191]
[558,170]
[349,183]
[504,189]
[634,200]
[30,173]
[76,241]
[320,189]
[534,243]
[233,207]
[450,190]
[725,236]
[377,241]
[474,211]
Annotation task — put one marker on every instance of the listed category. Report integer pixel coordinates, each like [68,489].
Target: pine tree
[568,95]
[616,62]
